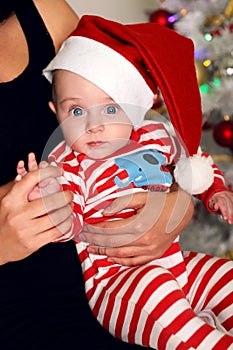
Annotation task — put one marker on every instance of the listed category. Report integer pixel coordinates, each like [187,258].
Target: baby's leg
[145,305]
[45,187]
[21,170]
[211,289]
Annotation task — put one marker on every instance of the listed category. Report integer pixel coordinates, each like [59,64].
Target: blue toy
[143,168]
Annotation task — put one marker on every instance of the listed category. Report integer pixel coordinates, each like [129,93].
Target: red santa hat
[147,55]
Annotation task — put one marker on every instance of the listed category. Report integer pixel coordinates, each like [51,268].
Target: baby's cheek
[72,132]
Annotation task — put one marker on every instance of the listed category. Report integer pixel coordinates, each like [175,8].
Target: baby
[104,81]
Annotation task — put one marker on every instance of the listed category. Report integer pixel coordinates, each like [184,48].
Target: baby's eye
[111,109]
[77,112]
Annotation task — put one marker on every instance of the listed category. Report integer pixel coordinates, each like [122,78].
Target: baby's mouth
[95,143]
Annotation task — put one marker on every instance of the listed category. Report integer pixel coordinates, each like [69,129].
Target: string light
[217,82]
[204,88]
[208,37]
[207,63]
[174,17]
[229,71]
[183,12]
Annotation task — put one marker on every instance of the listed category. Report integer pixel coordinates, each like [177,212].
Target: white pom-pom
[194,174]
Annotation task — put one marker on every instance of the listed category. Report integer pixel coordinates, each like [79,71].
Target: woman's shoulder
[59,18]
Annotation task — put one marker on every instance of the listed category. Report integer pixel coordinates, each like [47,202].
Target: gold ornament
[214,20]
[201,72]
[229,9]
[217,20]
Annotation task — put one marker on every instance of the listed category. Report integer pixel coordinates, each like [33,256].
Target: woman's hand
[27,226]
[160,218]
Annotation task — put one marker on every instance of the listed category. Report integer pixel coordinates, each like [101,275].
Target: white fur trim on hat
[194,174]
[108,70]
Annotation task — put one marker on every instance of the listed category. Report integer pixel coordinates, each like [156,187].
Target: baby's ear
[155,98]
[157,101]
[52,107]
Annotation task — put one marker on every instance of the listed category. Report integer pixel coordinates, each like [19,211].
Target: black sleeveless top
[42,299]
[26,122]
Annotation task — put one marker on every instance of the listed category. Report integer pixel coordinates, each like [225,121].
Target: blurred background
[210,25]
[125,11]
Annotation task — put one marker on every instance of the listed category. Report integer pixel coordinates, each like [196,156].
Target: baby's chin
[100,153]
[104,150]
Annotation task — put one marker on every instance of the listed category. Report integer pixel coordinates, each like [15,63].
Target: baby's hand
[45,187]
[223,202]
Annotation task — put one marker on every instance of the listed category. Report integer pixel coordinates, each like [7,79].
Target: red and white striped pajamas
[182,300]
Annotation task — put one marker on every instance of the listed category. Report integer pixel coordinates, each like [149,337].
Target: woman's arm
[60,23]
[160,218]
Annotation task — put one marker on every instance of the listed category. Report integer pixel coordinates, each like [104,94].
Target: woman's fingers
[122,232]
[52,233]
[50,203]
[52,219]
[135,201]
[22,188]
[126,255]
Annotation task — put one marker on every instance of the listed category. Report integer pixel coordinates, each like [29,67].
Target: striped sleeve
[157,137]
[218,185]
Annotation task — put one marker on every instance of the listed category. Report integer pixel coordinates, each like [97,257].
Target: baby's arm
[223,201]
[45,187]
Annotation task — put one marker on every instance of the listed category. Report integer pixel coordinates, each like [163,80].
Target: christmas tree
[210,26]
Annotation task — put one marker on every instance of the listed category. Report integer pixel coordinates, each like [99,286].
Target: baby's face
[92,123]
